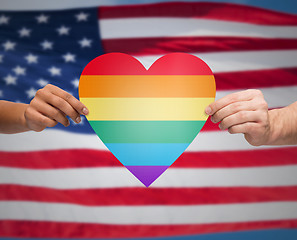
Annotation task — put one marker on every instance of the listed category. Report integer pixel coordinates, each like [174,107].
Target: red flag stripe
[230,159]
[44,229]
[218,11]
[164,45]
[81,158]
[149,196]
[256,79]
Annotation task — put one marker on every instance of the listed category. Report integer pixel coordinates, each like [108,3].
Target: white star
[85,42]
[42,82]
[46,45]
[75,82]
[1,58]
[24,32]
[8,45]
[68,57]
[55,71]
[19,70]
[1,93]
[31,58]
[42,18]
[63,30]
[9,79]
[82,16]
[31,92]
[4,19]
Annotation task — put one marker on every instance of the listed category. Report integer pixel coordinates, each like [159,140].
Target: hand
[243,112]
[50,106]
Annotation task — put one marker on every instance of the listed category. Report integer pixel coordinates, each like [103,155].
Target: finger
[38,121]
[232,109]
[76,104]
[60,104]
[231,98]
[242,128]
[51,112]
[239,118]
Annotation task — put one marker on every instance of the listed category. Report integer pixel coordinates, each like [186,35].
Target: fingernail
[208,110]
[68,123]
[212,120]
[78,119]
[220,126]
[85,111]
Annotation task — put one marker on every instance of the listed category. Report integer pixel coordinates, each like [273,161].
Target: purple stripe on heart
[147,174]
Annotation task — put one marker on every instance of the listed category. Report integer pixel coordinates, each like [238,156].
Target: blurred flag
[64,183]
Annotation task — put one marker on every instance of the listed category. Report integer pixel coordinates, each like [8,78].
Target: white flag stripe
[142,27]
[273,95]
[239,60]
[140,215]
[112,177]
[30,5]
[59,139]
[222,141]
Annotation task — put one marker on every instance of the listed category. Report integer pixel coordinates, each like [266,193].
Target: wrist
[276,126]
[23,119]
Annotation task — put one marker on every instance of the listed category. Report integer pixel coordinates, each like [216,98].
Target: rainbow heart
[147,118]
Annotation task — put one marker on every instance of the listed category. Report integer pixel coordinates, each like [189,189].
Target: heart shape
[147,118]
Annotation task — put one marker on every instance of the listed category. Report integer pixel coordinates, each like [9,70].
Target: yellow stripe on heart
[147,108]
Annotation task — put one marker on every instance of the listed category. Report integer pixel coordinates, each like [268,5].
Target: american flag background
[64,183]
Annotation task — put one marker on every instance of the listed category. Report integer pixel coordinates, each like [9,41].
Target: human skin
[49,107]
[247,112]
